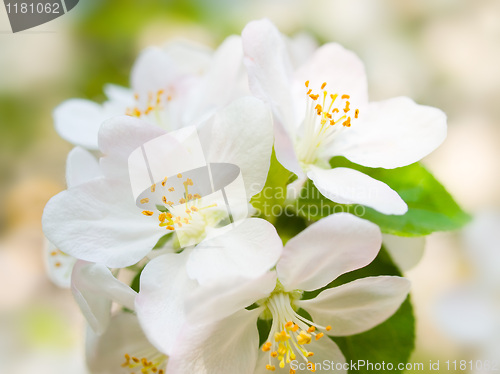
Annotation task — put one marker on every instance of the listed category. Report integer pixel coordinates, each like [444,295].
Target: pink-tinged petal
[160,304]
[341,70]
[349,186]
[392,133]
[94,288]
[468,314]
[269,69]
[98,221]
[106,353]
[327,359]
[249,250]
[327,249]
[357,306]
[242,134]
[81,167]
[221,298]
[226,347]
[118,138]
[78,121]
[406,252]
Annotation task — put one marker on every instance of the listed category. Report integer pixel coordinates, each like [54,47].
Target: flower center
[190,217]
[146,362]
[153,104]
[326,116]
[290,333]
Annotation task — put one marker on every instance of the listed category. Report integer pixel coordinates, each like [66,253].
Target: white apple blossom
[123,349]
[208,330]
[171,87]
[321,110]
[98,221]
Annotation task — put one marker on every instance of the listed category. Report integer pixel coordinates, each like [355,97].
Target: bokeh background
[443,53]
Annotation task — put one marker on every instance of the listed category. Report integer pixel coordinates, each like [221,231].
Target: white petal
[119,95]
[270,77]
[392,133]
[342,71]
[294,189]
[269,69]
[467,313]
[160,303]
[94,288]
[81,167]
[189,57]
[301,47]
[222,298]
[59,265]
[285,151]
[327,359]
[106,353]
[227,347]
[248,250]
[242,134]
[406,252]
[78,121]
[98,221]
[153,70]
[328,248]
[118,138]
[357,306]
[223,81]
[349,186]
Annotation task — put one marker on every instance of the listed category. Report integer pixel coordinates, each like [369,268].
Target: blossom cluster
[162,184]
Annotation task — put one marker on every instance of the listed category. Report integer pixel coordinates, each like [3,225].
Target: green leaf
[389,342]
[430,207]
[270,201]
[136,282]
[163,240]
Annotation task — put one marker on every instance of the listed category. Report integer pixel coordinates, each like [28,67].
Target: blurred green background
[444,53]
